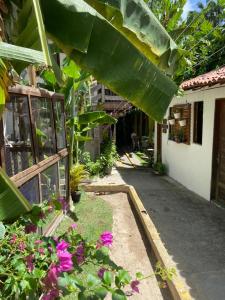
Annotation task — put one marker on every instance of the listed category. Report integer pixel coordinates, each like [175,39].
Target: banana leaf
[137,23]
[12,52]
[98,47]
[12,202]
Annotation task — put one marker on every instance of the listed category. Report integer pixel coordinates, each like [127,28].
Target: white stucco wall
[191,165]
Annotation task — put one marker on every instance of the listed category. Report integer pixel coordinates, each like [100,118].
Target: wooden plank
[22,177]
[27,90]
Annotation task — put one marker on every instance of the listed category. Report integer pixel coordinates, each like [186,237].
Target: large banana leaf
[98,47]
[137,23]
[12,202]
[12,52]
[4,83]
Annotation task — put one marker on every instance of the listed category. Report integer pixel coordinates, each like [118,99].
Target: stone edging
[176,286]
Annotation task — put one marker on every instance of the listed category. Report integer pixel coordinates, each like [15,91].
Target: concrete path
[192,229]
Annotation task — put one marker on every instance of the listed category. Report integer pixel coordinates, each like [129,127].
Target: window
[30,190]
[63,177]
[17,136]
[198,122]
[44,127]
[49,183]
[59,124]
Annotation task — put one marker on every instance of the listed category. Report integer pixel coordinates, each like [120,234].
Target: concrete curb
[176,286]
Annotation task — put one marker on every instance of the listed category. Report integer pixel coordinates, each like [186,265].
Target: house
[191,139]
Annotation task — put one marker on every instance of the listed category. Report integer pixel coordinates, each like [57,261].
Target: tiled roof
[207,79]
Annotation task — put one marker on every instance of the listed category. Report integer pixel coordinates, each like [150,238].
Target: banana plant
[84,123]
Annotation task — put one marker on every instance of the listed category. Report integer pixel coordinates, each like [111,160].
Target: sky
[191,5]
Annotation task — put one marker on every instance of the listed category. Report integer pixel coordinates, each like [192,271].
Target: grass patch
[92,214]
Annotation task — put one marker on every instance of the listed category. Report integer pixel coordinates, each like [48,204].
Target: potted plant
[109,156]
[182,123]
[77,174]
[176,114]
[171,121]
[180,136]
[159,168]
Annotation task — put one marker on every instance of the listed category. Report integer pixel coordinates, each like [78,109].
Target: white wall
[191,165]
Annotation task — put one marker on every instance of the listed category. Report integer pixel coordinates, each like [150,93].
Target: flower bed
[34,266]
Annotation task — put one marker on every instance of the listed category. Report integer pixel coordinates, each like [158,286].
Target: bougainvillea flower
[80,254]
[50,281]
[29,228]
[41,215]
[22,246]
[64,203]
[50,209]
[29,262]
[101,272]
[65,261]
[134,285]
[74,226]
[37,242]
[41,250]
[51,295]
[106,238]
[13,239]
[61,246]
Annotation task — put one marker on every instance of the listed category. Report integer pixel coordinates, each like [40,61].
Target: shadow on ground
[191,228]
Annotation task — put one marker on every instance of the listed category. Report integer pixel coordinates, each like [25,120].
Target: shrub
[77,174]
[160,168]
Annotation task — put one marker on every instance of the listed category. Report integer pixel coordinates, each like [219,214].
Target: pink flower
[37,242]
[50,249]
[106,238]
[29,262]
[64,203]
[30,228]
[41,250]
[51,295]
[51,279]
[74,226]
[13,239]
[41,215]
[22,246]
[134,285]
[101,272]
[50,209]
[80,254]
[65,261]
[61,246]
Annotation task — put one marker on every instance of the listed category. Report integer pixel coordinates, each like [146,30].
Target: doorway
[218,171]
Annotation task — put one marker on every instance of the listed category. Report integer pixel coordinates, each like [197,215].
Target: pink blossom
[13,239]
[106,238]
[30,228]
[41,250]
[101,272]
[50,209]
[22,246]
[61,246]
[37,242]
[80,254]
[74,226]
[64,203]
[134,285]
[41,215]
[51,295]
[50,249]
[29,262]
[51,279]
[65,261]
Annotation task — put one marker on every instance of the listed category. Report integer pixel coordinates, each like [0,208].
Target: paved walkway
[192,229]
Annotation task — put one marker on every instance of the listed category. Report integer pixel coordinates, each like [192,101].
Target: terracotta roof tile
[207,79]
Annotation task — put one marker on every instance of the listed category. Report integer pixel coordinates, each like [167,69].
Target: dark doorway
[218,173]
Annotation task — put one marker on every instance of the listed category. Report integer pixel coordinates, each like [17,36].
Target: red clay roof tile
[207,79]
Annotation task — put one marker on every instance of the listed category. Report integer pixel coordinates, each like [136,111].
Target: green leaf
[118,295]
[92,280]
[124,277]
[12,202]
[81,138]
[101,292]
[134,19]
[72,70]
[97,47]
[2,230]
[139,275]
[107,278]
[12,52]
[91,117]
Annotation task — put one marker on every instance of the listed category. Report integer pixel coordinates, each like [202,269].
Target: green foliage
[77,174]
[93,167]
[133,75]
[160,168]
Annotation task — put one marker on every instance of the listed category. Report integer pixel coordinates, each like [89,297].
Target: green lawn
[93,216]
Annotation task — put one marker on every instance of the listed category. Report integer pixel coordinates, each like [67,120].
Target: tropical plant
[77,174]
[159,168]
[109,155]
